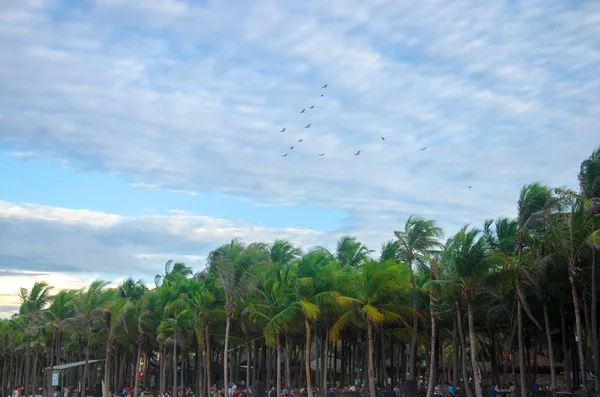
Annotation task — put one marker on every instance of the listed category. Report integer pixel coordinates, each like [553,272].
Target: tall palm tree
[377,286]
[236,266]
[57,317]
[89,305]
[468,252]
[32,304]
[571,232]
[418,238]
[115,313]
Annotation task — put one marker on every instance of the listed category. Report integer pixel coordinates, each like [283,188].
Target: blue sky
[133,132]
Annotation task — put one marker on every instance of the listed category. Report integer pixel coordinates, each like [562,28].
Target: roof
[75,364]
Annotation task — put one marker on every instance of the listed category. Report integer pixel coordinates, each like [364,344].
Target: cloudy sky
[132,132]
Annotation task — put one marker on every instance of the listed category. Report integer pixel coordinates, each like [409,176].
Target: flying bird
[303,110]
[470,187]
[321,94]
[424,148]
[300,140]
[284,155]
[382,138]
[283,130]
[357,153]
[312,107]
[325,86]
[321,154]
[308,126]
[291,147]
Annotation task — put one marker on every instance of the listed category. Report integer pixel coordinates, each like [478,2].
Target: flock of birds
[323,154]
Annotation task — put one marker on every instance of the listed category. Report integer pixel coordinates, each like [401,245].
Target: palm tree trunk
[580,341]
[522,368]
[370,359]
[207,358]
[136,391]
[278,372]
[455,353]
[50,365]
[288,376]
[228,309]
[563,332]
[413,339]
[199,372]
[26,390]
[509,354]
[550,348]
[307,357]
[463,357]
[476,379]
[87,359]
[433,356]
[107,357]
[595,342]
[248,363]
[175,366]
[163,368]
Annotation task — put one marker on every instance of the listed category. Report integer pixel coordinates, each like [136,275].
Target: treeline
[513,289]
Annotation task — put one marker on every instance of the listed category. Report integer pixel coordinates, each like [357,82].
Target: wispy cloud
[190,97]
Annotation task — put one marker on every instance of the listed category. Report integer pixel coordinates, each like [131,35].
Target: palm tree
[351,252]
[89,305]
[535,200]
[273,313]
[132,290]
[56,318]
[115,311]
[32,304]
[205,297]
[173,272]
[176,326]
[378,285]
[417,239]
[571,231]
[236,267]
[468,253]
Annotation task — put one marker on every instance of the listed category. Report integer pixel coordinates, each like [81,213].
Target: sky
[134,132]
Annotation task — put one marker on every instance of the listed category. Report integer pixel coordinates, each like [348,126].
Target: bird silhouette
[325,86]
[321,154]
[300,140]
[308,126]
[291,147]
[470,187]
[357,153]
[321,94]
[283,130]
[382,138]
[303,110]
[424,148]
[312,107]
[284,155]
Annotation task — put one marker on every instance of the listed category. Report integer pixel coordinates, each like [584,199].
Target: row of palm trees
[514,288]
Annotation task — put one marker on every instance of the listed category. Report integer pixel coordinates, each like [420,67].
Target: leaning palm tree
[418,238]
[32,304]
[377,287]
[236,266]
